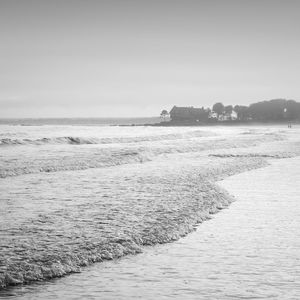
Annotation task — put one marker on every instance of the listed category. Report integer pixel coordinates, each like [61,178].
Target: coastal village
[276,110]
[200,114]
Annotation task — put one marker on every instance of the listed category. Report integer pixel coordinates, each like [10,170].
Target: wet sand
[250,251]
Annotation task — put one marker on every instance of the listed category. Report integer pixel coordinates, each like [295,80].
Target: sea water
[75,195]
[250,251]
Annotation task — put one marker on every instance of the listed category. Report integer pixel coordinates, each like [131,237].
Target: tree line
[271,110]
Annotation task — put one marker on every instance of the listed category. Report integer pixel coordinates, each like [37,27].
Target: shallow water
[250,251]
[66,203]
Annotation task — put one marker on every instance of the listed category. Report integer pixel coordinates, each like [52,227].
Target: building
[188,114]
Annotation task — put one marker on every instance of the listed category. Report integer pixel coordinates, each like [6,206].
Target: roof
[185,110]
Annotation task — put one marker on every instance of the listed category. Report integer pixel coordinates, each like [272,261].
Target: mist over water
[77,121]
[75,195]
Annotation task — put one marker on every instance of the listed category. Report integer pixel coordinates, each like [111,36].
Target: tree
[236,108]
[242,112]
[228,110]
[272,110]
[292,109]
[218,108]
[164,114]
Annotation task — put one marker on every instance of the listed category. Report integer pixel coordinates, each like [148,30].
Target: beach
[81,195]
[249,251]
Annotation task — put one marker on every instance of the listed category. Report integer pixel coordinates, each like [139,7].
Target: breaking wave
[110,228]
[73,140]
[55,224]
[136,153]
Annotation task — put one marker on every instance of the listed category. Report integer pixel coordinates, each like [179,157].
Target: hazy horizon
[113,59]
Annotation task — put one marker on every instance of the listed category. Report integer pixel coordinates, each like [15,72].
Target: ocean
[79,121]
[73,194]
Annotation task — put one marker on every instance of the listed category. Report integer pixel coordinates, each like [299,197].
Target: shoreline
[155,202]
[218,200]
[216,123]
[194,260]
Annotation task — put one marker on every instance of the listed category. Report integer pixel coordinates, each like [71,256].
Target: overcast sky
[135,58]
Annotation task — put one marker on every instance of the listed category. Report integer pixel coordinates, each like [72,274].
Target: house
[228,116]
[188,114]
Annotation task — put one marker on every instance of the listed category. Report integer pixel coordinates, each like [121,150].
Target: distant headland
[276,110]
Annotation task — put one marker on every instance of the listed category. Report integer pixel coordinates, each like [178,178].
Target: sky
[126,58]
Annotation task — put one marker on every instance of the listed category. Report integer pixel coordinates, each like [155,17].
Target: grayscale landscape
[149,149]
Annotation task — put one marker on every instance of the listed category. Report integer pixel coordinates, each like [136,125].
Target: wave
[79,235]
[115,212]
[137,153]
[73,140]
